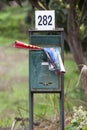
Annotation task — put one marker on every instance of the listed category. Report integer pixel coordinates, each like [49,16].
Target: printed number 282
[44,20]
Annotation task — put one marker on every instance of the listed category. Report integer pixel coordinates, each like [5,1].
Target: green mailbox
[41,79]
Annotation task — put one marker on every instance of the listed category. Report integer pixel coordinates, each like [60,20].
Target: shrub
[79,119]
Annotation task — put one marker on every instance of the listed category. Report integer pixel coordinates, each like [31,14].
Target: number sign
[45,20]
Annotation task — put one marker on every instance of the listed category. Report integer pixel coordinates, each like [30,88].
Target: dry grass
[84,78]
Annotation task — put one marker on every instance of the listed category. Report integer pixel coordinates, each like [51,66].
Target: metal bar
[46,91]
[30,111]
[62,109]
[56,30]
[62,88]
[30,97]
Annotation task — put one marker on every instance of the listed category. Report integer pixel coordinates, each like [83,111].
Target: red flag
[19,44]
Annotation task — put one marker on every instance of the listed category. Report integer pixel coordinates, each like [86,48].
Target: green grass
[12,24]
[71,75]
[13,84]
[16,93]
[16,90]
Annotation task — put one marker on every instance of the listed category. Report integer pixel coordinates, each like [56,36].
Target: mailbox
[41,79]
[42,76]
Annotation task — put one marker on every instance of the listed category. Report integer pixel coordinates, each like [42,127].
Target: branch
[84,9]
[38,4]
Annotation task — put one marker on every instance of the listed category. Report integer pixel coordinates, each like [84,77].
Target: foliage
[72,16]
[14,92]
[62,8]
[79,119]
[6,122]
[12,24]
[11,30]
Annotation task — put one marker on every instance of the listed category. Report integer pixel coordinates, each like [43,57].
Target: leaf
[85,128]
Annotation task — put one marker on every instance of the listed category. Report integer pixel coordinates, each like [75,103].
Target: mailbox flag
[19,44]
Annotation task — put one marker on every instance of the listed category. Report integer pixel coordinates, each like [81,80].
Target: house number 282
[44,20]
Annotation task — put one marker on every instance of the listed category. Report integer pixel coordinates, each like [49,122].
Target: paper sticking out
[22,45]
[54,60]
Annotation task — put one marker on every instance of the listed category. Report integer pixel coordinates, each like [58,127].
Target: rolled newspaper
[62,68]
[22,45]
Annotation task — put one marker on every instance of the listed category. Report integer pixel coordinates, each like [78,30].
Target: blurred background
[15,20]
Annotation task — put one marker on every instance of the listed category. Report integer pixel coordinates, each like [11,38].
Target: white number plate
[45,20]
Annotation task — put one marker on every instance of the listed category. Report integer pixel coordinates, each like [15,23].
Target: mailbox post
[41,79]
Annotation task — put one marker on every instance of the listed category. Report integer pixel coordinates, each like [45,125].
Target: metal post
[62,110]
[62,88]
[31,94]
[30,111]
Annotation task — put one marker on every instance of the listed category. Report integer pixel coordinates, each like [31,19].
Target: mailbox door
[41,78]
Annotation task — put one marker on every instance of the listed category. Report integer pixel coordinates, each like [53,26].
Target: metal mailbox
[41,79]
